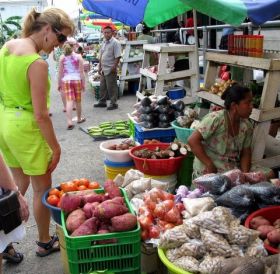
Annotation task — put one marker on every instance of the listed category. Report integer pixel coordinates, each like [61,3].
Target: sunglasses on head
[61,38]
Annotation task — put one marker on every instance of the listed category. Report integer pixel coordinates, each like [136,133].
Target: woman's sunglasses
[61,38]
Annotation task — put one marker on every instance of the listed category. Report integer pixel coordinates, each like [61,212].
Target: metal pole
[196,46]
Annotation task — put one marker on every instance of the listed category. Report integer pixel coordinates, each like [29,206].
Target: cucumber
[110,132]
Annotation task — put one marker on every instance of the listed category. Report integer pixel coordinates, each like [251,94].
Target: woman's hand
[210,168]
[55,159]
[24,210]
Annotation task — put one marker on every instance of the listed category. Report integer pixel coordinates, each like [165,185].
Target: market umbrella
[131,13]
[234,12]
[104,23]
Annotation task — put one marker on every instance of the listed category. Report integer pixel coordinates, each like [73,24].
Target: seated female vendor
[222,141]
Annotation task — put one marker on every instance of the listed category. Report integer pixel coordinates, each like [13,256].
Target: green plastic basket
[85,254]
[172,269]
[182,133]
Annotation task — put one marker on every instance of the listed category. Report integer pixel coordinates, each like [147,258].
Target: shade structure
[234,12]
[132,12]
[104,23]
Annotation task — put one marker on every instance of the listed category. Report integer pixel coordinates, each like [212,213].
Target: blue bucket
[55,211]
[176,93]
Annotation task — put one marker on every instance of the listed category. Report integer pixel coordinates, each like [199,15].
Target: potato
[257,221]
[111,188]
[109,209]
[264,230]
[274,236]
[277,223]
[75,219]
[89,209]
[87,228]
[70,202]
[124,222]
[92,197]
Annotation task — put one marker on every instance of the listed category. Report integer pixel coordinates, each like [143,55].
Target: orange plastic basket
[156,167]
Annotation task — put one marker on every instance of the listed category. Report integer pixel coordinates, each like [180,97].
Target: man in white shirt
[110,54]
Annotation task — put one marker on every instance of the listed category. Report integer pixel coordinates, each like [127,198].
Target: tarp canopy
[234,12]
[131,13]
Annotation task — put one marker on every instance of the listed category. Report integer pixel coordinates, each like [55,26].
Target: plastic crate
[176,93]
[85,255]
[163,135]
[182,133]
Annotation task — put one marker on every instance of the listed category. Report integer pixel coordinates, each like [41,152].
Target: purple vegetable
[196,193]
[182,192]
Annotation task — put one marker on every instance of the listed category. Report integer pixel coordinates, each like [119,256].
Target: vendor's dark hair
[146,29]
[234,94]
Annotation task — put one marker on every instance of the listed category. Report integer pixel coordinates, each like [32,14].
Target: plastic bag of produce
[191,229]
[131,175]
[236,177]
[265,193]
[256,249]
[216,184]
[210,264]
[188,263]
[141,185]
[254,177]
[195,206]
[215,243]
[237,197]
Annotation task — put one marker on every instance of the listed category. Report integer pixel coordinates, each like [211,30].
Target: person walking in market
[110,54]
[27,139]
[7,184]
[71,80]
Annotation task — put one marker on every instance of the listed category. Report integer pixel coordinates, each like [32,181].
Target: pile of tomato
[74,185]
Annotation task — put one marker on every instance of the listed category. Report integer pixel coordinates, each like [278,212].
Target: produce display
[153,112]
[203,242]
[219,87]
[107,130]
[97,213]
[55,194]
[175,149]
[187,119]
[124,145]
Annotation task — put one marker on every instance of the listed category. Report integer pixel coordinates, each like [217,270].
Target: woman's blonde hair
[56,18]
[67,49]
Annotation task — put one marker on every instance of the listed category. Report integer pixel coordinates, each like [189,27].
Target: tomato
[154,232]
[156,195]
[82,187]
[76,182]
[93,185]
[168,196]
[84,182]
[168,226]
[180,207]
[159,211]
[53,200]
[54,191]
[61,193]
[144,234]
[168,204]
[150,204]
[69,186]
[145,221]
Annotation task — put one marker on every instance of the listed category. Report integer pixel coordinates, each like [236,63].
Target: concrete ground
[81,157]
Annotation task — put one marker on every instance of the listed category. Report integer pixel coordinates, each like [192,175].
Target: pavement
[81,157]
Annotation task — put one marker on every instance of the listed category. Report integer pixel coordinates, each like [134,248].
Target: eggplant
[163,124]
[162,109]
[178,113]
[143,117]
[164,118]
[147,124]
[145,110]
[146,101]
[147,117]
[163,101]
[179,105]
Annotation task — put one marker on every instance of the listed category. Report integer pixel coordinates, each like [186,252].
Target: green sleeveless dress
[21,141]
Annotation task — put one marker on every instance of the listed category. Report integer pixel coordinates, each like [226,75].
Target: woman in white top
[71,80]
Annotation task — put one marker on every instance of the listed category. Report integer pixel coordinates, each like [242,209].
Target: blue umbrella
[132,12]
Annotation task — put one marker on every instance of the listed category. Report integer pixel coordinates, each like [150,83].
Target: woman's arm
[195,142]
[6,182]
[38,77]
[81,69]
[246,159]
[60,73]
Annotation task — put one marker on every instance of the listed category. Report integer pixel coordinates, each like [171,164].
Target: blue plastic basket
[163,135]
[55,211]
[182,133]
[176,93]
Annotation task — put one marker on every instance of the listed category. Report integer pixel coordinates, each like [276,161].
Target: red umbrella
[104,23]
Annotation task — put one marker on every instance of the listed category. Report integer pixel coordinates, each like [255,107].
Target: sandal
[70,127]
[82,120]
[48,248]
[11,255]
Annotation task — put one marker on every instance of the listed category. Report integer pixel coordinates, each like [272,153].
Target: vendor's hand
[24,210]
[55,159]
[211,168]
